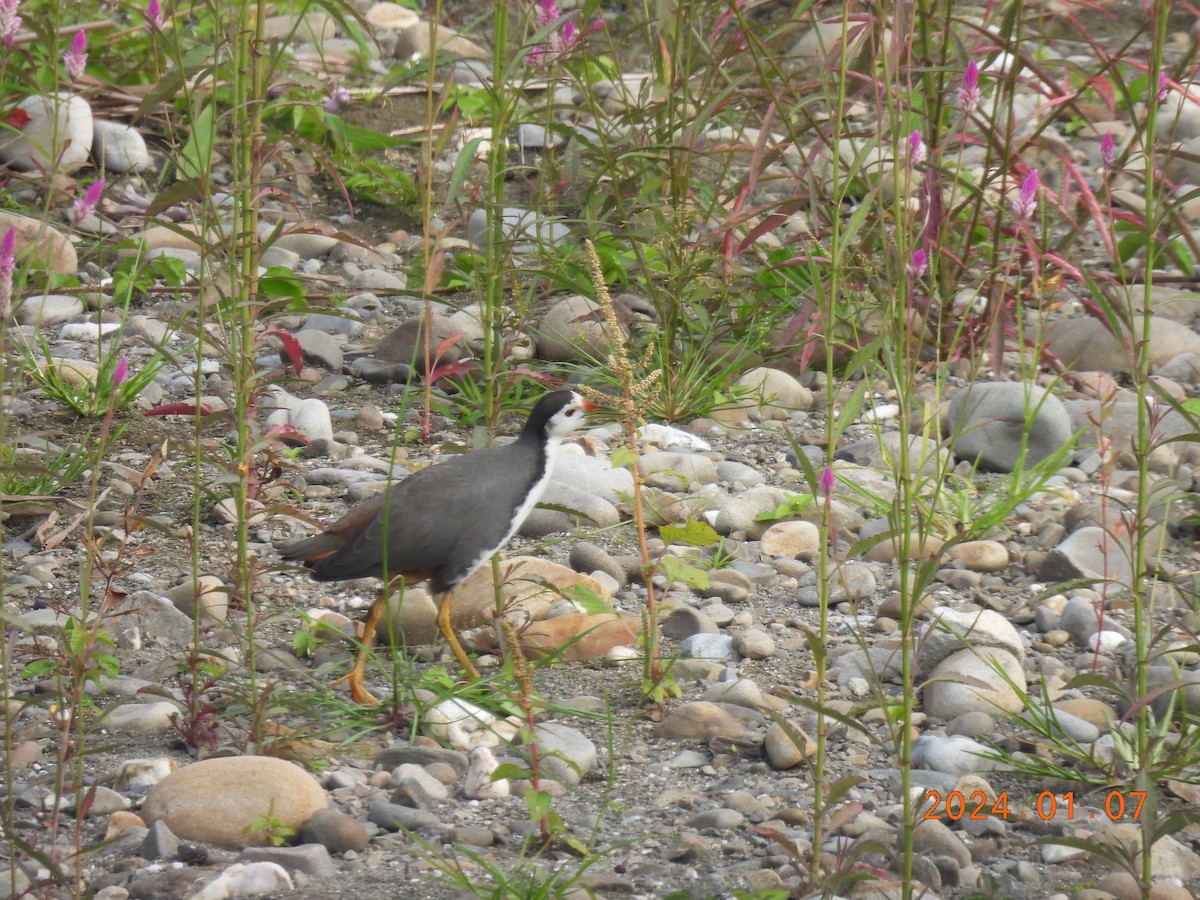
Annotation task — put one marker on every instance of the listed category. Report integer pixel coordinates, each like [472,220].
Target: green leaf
[676,569]
[195,158]
[38,669]
[538,803]
[592,603]
[622,458]
[280,283]
[695,533]
[510,770]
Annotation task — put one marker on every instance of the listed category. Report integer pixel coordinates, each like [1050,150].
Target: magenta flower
[547,13]
[1026,202]
[553,44]
[76,57]
[826,481]
[968,91]
[916,148]
[1163,86]
[10,22]
[918,264]
[154,16]
[84,206]
[121,372]
[8,262]
[568,36]
[1107,148]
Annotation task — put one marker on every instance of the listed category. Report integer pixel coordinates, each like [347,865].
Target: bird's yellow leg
[443,620]
[357,675]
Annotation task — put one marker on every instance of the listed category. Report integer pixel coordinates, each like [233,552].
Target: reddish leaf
[287,433]
[447,342]
[543,377]
[291,346]
[435,269]
[450,370]
[179,409]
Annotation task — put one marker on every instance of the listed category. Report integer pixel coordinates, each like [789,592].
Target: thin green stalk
[1142,599]
[497,164]
[248,85]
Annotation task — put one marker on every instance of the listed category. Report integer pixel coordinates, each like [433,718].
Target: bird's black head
[556,415]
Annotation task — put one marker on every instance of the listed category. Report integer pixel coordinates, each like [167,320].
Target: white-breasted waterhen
[442,523]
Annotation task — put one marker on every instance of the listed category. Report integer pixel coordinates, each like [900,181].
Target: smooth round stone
[37,241]
[311,418]
[754,643]
[791,539]
[980,556]
[709,646]
[47,309]
[60,124]
[143,717]
[219,801]
[785,751]
[966,682]
[430,785]
[1106,641]
[567,754]
[717,820]
[91,332]
[393,817]
[473,836]
[573,329]
[958,755]
[318,348]
[587,557]
[688,759]
[971,724]
[739,692]
[686,621]
[118,147]
[993,423]
[207,596]
[773,394]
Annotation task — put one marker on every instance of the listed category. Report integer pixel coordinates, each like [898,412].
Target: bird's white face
[567,419]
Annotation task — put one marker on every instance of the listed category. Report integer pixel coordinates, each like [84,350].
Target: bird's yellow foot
[358,691]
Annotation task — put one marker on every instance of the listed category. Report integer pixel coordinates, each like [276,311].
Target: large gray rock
[223,801]
[119,148]
[990,422]
[56,137]
[1086,345]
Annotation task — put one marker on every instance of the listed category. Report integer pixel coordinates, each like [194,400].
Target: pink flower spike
[547,13]
[918,264]
[8,261]
[569,35]
[1163,86]
[154,16]
[75,59]
[10,22]
[826,481]
[1026,202]
[84,206]
[968,91]
[1107,148]
[8,253]
[916,148]
[121,372]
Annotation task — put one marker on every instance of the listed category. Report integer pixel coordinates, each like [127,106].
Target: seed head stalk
[635,393]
